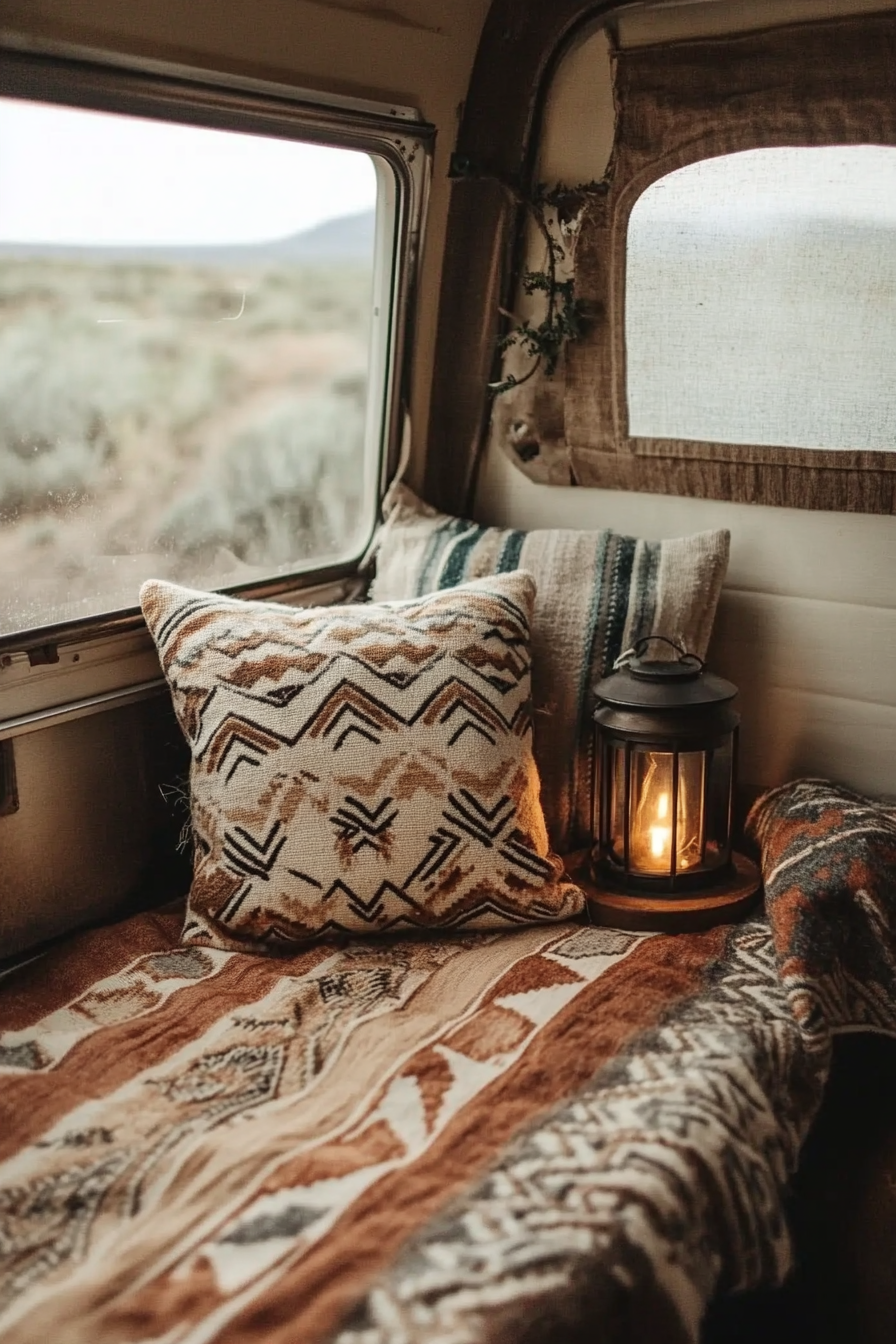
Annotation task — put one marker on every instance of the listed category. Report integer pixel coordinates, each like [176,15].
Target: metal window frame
[398,137]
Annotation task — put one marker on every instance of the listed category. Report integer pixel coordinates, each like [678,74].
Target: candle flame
[661,836]
[660,841]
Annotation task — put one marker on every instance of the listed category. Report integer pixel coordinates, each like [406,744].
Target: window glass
[761,300]
[185,327]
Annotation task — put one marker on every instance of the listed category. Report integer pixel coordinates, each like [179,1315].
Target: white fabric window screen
[760,300]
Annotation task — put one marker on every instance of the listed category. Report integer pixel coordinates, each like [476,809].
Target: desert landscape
[198,418]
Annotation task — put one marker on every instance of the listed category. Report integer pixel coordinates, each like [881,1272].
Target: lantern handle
[640,645]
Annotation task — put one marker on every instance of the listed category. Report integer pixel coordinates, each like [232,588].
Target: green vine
[565,314]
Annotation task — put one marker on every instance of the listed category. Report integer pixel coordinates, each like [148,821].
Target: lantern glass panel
[654,831]
[617,803]
[650,841]
[718,840]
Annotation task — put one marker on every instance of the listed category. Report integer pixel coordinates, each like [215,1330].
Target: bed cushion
[359,768]
[598,592]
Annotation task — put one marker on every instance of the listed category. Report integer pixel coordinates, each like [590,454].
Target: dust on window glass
[185,322]
[761,300]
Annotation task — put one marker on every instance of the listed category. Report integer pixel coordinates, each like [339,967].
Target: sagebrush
[202,420]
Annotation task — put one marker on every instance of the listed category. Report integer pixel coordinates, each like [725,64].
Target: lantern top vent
[641,682]
[688,668]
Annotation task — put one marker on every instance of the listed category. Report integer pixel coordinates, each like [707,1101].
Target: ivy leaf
[566,316]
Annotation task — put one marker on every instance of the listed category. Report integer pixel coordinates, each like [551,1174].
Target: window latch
[42,654]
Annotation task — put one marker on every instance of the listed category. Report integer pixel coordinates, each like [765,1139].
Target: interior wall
[807,621]
[91,819]
[101,803]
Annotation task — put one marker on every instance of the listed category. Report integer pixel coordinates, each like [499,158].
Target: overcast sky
[90,177]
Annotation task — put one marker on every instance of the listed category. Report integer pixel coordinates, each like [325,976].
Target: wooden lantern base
[724,903]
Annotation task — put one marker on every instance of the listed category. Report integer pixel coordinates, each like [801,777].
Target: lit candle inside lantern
[661,836]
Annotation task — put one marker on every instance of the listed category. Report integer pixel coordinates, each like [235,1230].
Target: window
[761,300]
[195,329]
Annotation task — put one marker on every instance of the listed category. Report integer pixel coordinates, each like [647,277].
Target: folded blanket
[550,1135]
[829,871]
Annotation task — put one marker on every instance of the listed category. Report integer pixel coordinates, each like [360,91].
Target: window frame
[401,143]
[729,470]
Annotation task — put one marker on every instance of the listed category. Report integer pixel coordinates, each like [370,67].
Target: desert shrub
[73,389]
[286,487]
[58,404]
[133,410]
[310,298]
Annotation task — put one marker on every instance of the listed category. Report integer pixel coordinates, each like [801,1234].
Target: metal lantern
[663,794]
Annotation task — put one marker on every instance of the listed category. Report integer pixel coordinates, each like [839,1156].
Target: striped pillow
[597,592]
[360,768]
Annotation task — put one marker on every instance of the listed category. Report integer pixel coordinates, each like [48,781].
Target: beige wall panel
[578,121]
[418,52]
[78,843]
[788,734]
[817,690]
[825,648]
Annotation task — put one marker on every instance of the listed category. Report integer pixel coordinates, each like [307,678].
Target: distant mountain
[346,238]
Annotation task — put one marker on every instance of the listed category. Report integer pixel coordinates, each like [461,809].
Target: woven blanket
[553,1134]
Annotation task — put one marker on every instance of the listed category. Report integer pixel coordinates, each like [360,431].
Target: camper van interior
[447,694]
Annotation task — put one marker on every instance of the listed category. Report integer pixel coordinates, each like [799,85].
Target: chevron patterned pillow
[597,593]
[359,768]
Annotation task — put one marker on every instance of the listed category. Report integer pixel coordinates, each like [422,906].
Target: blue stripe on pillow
[582,761]
[454,570]
[440,538]
[620,585]
[589,664]
[509,558]
[642,604]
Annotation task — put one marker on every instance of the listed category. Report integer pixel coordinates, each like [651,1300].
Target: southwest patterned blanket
[553,1134]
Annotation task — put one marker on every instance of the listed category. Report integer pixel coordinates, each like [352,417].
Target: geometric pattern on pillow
[597,593]
[359,768]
